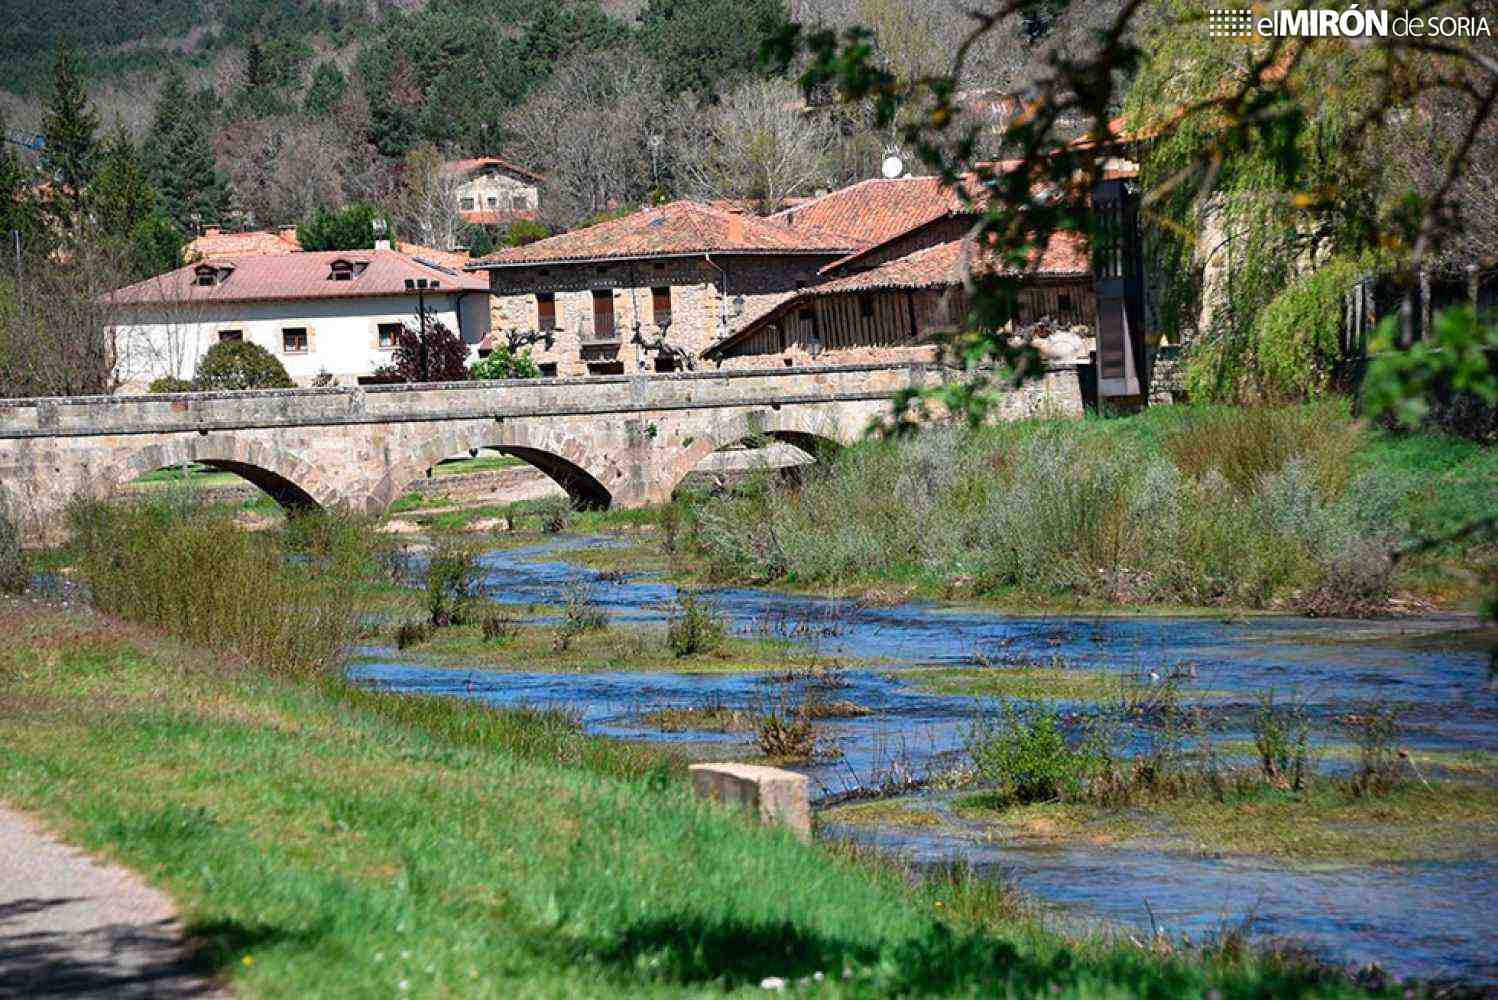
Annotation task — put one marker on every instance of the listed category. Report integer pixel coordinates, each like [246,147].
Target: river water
[1428,920]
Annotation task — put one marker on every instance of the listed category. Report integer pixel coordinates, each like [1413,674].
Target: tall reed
[195,574]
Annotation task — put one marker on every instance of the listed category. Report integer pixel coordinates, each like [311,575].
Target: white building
[335,313]
[492,192]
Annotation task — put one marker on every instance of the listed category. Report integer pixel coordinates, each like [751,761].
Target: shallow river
[1431,920]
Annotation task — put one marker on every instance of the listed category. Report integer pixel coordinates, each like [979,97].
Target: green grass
[899,813]
[323,841]
[617,648]
[1322,824]
[483,462]
[1027,682]
[196,475]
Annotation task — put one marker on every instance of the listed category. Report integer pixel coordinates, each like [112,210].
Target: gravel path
[71,926]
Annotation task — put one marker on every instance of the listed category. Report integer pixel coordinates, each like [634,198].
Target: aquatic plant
[694,624]
[452,582]
[580,613]
[1282,741]
[1375,729]
[1023,753]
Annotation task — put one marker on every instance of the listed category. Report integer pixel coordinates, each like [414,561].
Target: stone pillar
[777,797]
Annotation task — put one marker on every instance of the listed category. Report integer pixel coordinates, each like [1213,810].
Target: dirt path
[71,926]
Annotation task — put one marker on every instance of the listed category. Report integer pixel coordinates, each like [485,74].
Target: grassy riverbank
[329,842]
[1298,508]
[324,840]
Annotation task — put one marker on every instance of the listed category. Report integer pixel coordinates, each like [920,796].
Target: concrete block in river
[775,796]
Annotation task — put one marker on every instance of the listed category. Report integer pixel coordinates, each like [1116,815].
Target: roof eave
[488,265]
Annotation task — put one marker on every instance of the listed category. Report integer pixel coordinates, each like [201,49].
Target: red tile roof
[682,227]
[875,210]
[215,244]
[476,163]
[939,266]
[294,276]
[454,259]
[1065,256]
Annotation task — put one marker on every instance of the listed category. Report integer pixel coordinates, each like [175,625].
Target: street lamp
[419,286]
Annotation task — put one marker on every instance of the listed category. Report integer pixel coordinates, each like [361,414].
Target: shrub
[452,580]
[580,613]
[347,228]
[169,383]
[501,364]
[523,231]
[1281,740]
[695,624]
[1297,337]
[1375,729]
[498,629]
[15,576]
[787,733]
[1024,754]
[411,634]
[555,513]
[239,364]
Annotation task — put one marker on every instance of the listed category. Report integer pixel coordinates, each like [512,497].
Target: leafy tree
[155,245]
[350,228]
[430,352]
[239,364]
[480,240]
[501,363]
[523,231]
[325,90]
[701,45]
[71,127]
[18,208]
[180,157]
[122,195]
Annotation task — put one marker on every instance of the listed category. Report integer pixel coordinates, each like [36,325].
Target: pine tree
[180,161]
[326,90]
[122,194]
[71,127]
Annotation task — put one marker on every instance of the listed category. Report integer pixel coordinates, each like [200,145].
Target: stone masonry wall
[697,303]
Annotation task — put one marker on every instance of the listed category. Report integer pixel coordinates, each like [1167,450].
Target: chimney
[213,231]
[382,244]
[735,228]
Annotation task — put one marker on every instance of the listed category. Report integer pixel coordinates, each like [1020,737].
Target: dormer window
[207,275]
[346,270]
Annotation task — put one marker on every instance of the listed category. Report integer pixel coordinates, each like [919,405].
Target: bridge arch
[813,431]
[291,482]
[563,457]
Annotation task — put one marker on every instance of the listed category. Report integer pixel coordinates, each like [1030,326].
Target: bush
[580,613]
[169,383]
[411,634]
[555,513]
[1025,756]
[498,629]
[523,231]
[452,582]
[501,364]
[695,624]
[1297,337]
[192,572]
[239,364]
[348,228]
[15,575]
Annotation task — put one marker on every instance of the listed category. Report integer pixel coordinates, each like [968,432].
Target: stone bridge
[626,440]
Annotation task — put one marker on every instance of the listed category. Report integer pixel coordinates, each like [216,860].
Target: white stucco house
[336,312]
[492,192]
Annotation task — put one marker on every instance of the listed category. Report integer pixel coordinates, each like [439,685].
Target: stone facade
[702,290]
[617,440]
[490,193]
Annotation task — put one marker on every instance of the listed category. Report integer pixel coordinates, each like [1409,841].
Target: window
[603,314]
[866,307]
[466,204]
[548,369]
[606,368]
[294,340]
[546,311]
[225,336]
[341,270]
[1063,303]
[518,203]
[390,335]
[665,364]
[492,201]
[660,301]
[207,277]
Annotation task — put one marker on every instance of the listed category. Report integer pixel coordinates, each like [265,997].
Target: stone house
[491,191]
[650,291]
[337,313]
[896,309]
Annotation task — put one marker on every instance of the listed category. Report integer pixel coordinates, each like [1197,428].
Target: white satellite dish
[892,166]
